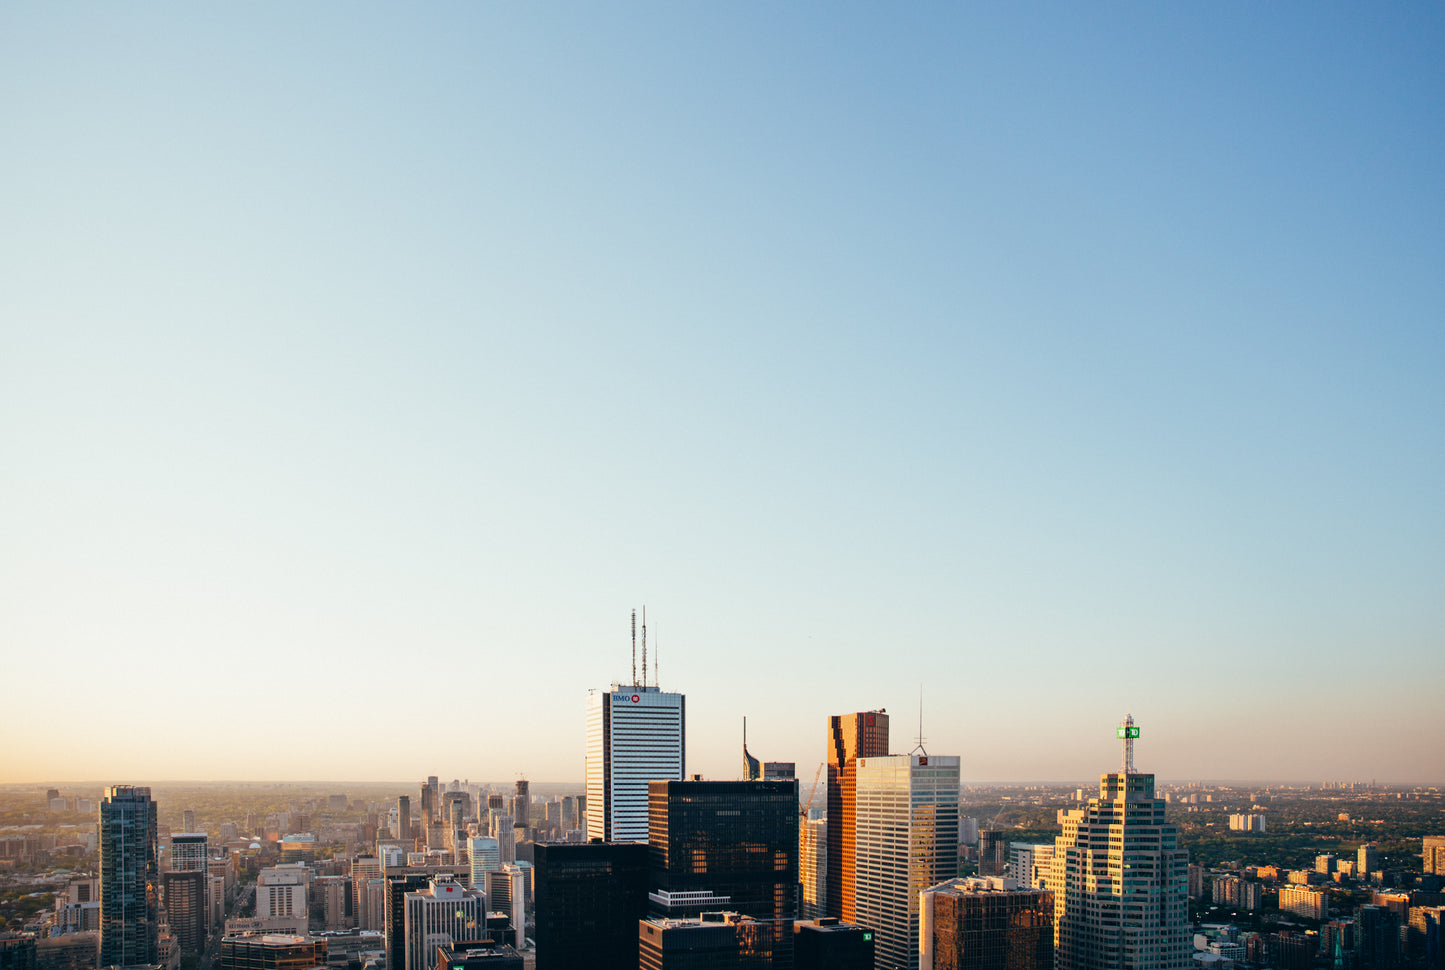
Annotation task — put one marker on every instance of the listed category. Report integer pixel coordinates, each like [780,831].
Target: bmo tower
[635,734]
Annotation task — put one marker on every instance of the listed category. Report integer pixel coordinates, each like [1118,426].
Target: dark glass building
[478,955]
[185,898]
[733,839]
[129,878]
[17,951]
[828,944]
[589,897]
[715,941]
[395,912]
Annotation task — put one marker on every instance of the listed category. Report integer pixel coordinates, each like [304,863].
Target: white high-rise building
[281,890]
[1120,880]
[442,913]
[635,734]
[907,841]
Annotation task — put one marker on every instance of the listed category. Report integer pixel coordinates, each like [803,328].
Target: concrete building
[635,734]
[1367,860]
[129,878]
[850,737]
[1303,901]
[906,840]
[282,890]
[986,924]
[1030,864]
[442,913]
[1433,849]
[1120,879]
[186,911]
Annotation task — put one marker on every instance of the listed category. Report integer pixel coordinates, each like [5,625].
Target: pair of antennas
[655,664]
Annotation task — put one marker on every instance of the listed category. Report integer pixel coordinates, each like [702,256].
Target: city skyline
[1066,362]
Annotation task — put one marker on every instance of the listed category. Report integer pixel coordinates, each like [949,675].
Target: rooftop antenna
[1127,732]
[919,748]
[634,646]
[644,645]
[656,664]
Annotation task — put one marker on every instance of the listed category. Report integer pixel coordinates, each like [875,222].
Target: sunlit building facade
[850,737]
[986,924]
[1120,880]
[635,734]
[906,841]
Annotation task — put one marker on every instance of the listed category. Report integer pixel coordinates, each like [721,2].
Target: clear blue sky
[363,366]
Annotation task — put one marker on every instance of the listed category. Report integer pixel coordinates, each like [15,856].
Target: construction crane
[811,792]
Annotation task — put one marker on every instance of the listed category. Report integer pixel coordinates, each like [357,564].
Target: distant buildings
[1433,848]
[986,924]
[1030,864]
[129,877]
[1367,860]
[850,737]
[1120,879]
[1247,823]
[906,840]
[1303,901]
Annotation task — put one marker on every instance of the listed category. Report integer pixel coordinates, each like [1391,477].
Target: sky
[362,367]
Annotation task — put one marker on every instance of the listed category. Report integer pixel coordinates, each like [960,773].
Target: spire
[752,768]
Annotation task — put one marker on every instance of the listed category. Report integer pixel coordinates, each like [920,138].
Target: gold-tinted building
[987,924]
[850,737]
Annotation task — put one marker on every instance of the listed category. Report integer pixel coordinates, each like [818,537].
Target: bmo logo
[636,699]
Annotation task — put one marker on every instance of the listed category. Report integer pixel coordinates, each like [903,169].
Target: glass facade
[907,841]
[850,737]
[589,898]
[737,839]
[129,878]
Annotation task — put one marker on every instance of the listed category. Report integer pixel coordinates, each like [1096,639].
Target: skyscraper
[850,737]
[129,877]
[1120,879]
[589,899]
[635,734]
[906,838]
[737,840]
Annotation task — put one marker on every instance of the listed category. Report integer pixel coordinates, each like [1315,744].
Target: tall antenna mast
[644,645]
[1127,732]
[634,646]
[656,665]
[919,747]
